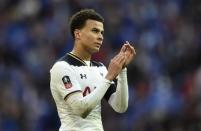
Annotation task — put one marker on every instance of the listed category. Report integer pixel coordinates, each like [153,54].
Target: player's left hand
[129,53]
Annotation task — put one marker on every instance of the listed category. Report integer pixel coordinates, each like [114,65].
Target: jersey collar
[77,58]
[72,60]
[76,61]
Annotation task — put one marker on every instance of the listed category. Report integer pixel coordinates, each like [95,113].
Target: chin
[95,51]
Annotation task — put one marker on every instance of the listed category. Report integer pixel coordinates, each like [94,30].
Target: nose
[100,37]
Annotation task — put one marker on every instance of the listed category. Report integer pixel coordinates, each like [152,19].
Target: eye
[95,30]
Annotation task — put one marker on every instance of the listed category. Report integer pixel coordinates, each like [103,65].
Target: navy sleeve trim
[65,98]
[110,90]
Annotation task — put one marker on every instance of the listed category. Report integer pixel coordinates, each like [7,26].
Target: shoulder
[59,65]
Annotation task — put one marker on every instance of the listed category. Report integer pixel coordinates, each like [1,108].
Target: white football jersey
[71,74]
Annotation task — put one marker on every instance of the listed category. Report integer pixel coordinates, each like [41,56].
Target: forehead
[93,24]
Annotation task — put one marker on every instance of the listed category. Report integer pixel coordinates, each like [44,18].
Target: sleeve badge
[67,82]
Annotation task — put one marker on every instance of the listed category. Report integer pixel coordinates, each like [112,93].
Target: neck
[81,53]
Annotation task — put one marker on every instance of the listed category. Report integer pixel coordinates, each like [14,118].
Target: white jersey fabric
[68,75]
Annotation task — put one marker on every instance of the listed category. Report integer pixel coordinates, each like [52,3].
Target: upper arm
[77,104]
[63,79]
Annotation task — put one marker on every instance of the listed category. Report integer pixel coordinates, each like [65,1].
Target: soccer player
[78,84]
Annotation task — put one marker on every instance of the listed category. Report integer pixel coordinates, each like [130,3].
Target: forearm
[82,106]
[119,99]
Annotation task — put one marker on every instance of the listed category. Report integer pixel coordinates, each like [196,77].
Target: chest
[89,77]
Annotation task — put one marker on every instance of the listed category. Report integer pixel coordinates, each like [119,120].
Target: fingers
[130,48]
[125,55]
[119,58]
[115,66]
[123,48]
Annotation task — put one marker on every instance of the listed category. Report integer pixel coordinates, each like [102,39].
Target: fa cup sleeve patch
[67,82]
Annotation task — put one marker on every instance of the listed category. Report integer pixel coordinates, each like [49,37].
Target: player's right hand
[116,65]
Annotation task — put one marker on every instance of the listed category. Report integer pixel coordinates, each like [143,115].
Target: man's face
[91,36]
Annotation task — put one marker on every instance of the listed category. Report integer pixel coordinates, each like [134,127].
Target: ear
[77,34]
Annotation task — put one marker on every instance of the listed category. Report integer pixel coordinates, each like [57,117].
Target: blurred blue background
[164,79]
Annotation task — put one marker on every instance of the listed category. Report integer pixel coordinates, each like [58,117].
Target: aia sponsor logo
[87,90]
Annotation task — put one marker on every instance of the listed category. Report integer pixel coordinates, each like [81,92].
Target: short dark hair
[78,20]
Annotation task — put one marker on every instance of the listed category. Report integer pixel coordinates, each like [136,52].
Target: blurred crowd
[164,79]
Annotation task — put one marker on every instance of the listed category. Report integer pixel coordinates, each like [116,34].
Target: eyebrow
[94,28]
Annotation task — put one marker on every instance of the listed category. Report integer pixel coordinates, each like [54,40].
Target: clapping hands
[121,60]
[129,53]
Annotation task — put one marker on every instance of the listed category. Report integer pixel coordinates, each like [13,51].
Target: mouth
[98,44]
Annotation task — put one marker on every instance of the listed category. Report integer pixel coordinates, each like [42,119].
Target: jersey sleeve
[112,87]
[110,90]
[63,79]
